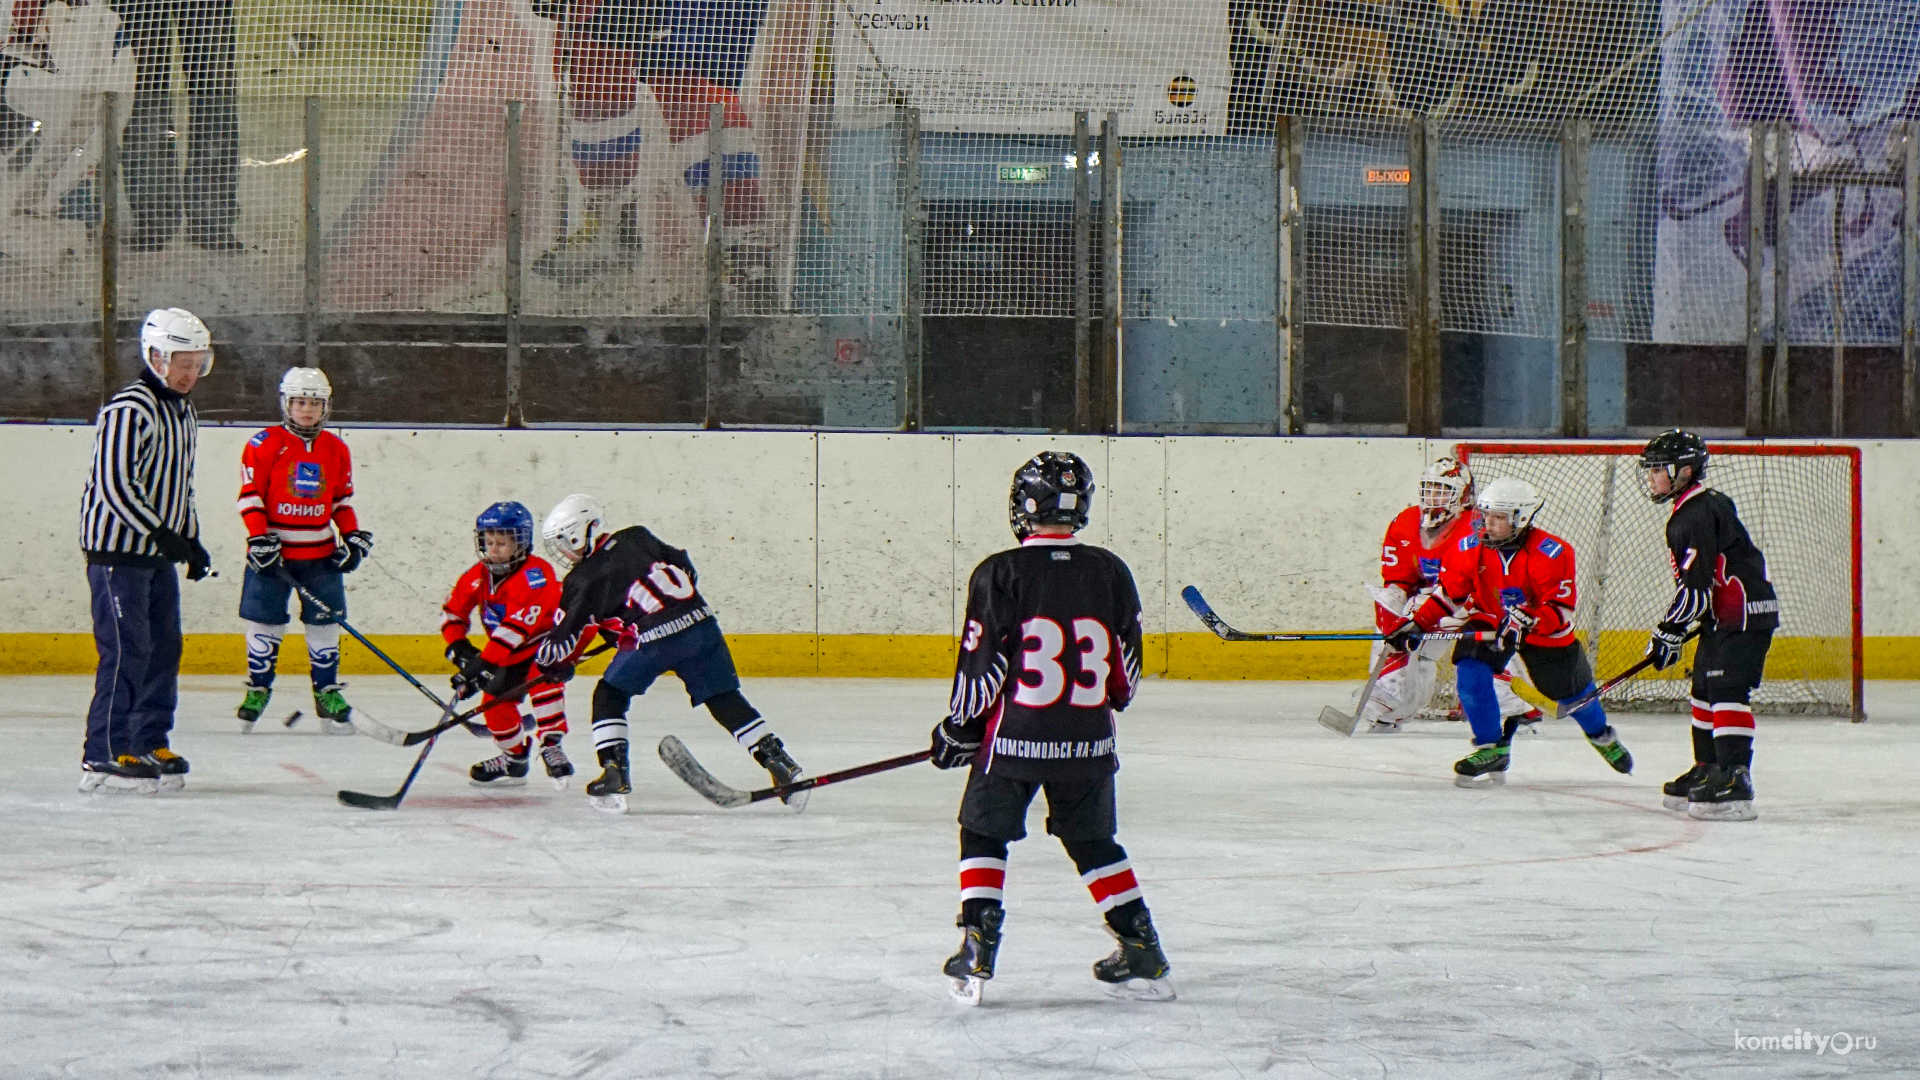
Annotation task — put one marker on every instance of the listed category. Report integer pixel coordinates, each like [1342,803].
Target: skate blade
[609,804]
[1726,811]
[98,784]
[559,782]
[1484,780]
[503,782]
[337,727]
[1338,722]
[1141,990]
[967,991]
[246,727]
[797,802]
[173,783]
[1674,802]
[1378,728]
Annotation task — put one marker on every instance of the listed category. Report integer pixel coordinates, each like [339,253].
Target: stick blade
[1338,722]
[681,760]
[1195,602]
[374,729]
[361,800]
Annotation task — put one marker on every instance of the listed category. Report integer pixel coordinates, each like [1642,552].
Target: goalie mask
[516,523]
[305,384]
[573,528]
[1053,488]
[1446,487]
[1514,500]
[1669,451]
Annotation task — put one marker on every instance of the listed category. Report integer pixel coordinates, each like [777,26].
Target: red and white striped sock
[983,879]
[1112,885]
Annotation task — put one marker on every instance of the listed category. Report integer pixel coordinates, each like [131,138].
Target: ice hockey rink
[1333,908]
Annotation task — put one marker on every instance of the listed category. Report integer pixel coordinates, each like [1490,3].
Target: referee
[136,520]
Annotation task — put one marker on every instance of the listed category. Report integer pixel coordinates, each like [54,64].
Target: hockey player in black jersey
[1050,651]
[641,592]
[1722,584]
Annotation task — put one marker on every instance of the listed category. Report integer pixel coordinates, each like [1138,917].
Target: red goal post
[1801,504]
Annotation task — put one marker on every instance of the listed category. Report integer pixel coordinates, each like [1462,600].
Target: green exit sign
[1025,174]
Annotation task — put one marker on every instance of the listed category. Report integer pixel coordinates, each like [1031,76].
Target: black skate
[972,966]
[1137,969]
[172,768]
[1725,795]
[1607,743]
[1674,792]
[1485,767]
[556,763]
[773,757]
[504,770]
[124,773]
[610,791]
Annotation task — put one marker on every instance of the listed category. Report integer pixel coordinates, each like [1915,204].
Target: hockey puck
[295,718]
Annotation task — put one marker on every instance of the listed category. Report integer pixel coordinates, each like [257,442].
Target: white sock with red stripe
[1112,885]
[1733,734]
[983,879]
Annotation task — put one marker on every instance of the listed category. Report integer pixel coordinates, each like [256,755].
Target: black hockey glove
[953,746]
[462,652]
[1663,645]
[559,673]
[500,681]
[1514,627]
[199,563]
[263,552]
[472,678]
[173,547]
[354,546]
[1405,637]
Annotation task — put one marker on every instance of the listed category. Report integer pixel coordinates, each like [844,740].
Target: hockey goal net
[1801,504]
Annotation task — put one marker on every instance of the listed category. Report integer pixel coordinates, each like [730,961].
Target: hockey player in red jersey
[1050,652]
[296,500]
[516,593]
[1519,581]
[1410,557]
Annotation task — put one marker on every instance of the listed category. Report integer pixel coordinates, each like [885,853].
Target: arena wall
[844,554]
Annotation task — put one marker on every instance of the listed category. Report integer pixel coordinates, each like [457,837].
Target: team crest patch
[307,479]
[257,439]
[1429,569]
[1469,543]
[535,578]
[491,615]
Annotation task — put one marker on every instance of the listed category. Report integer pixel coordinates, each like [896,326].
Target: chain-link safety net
[1798,504]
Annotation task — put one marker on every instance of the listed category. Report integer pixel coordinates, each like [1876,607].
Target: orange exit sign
[1389,176]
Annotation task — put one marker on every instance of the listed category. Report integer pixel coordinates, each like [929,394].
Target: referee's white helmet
[174,330]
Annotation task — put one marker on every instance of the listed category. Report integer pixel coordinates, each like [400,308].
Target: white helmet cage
[1512,497]
[572,527]
[305,382]
[1445,487]
[174,330]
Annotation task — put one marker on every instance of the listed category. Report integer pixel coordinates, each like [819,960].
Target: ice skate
[1382,727]
[1137,969]
[252,706]
[500,771]
[1724,795]
[1608,745]
[773,757]
[1485,767]
[124,773]
[336,716]
[969,969]
[610,791]
[171,766]
[555,761]
[592,250]
[1674,792]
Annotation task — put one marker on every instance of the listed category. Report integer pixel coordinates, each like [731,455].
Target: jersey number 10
[1046,641]
[668,580]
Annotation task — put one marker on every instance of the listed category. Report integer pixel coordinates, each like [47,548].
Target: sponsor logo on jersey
[257,439]
[1470,542]
[491,614]
[307,479]
[1551,548]
[535,578]
[1061,556]
[299,510]
[1429,570]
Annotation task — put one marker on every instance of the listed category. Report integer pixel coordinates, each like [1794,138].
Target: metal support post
[1757,367]
[1082,275]
[1423,278]
[1290,309]
[913,222]
[1837,311]
[310,232]
[1910,261]
[1575,140]
[107,192]
[1107,386]
[516,235]
[716,253]
[1777,414]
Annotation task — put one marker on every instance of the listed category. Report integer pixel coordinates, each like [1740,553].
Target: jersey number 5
[1046,641]
[668,580]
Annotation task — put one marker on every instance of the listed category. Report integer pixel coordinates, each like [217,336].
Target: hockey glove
[263,552]
[1663,645]
[558,673]
[354,546]
[462,652]
[1514,627]
[473,678]
[953,746]
[173,547]
[199,563]
[502,681]
[1405,637]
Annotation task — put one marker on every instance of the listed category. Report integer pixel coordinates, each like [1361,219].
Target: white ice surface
[1333,908]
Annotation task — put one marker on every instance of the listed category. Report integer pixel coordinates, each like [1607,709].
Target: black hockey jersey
[633,587]
[1050,651]
[1719,571]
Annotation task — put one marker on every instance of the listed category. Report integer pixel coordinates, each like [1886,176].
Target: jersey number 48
[1045,641]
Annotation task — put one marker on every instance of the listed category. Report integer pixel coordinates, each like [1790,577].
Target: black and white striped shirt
[142,478]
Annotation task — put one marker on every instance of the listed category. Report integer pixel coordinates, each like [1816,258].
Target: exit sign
[1025,174]
[1389,176]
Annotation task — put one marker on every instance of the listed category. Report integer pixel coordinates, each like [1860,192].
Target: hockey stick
[364,801]
[1340,723]
[682,762]
[1564,711]
[320,606]
[396,737]
[1191,594]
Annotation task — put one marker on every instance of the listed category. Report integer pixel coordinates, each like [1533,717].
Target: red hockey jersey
[1538,577]
[514,612]
[297,489]
[1406,560]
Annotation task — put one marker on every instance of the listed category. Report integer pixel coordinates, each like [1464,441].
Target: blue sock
[1591,717]
[1474,682]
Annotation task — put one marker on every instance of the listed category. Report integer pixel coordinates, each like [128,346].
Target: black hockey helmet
[1054,488]
[1670,450]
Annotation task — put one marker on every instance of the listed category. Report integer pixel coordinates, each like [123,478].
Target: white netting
[1797,504]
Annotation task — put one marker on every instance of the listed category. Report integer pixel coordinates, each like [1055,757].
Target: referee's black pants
[136,629]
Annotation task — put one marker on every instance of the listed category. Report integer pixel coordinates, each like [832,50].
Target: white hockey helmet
[1445,489]
[1512,497]
[311,384]
[572,527]
[174,330]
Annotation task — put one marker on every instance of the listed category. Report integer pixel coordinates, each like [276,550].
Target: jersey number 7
[1046,641]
